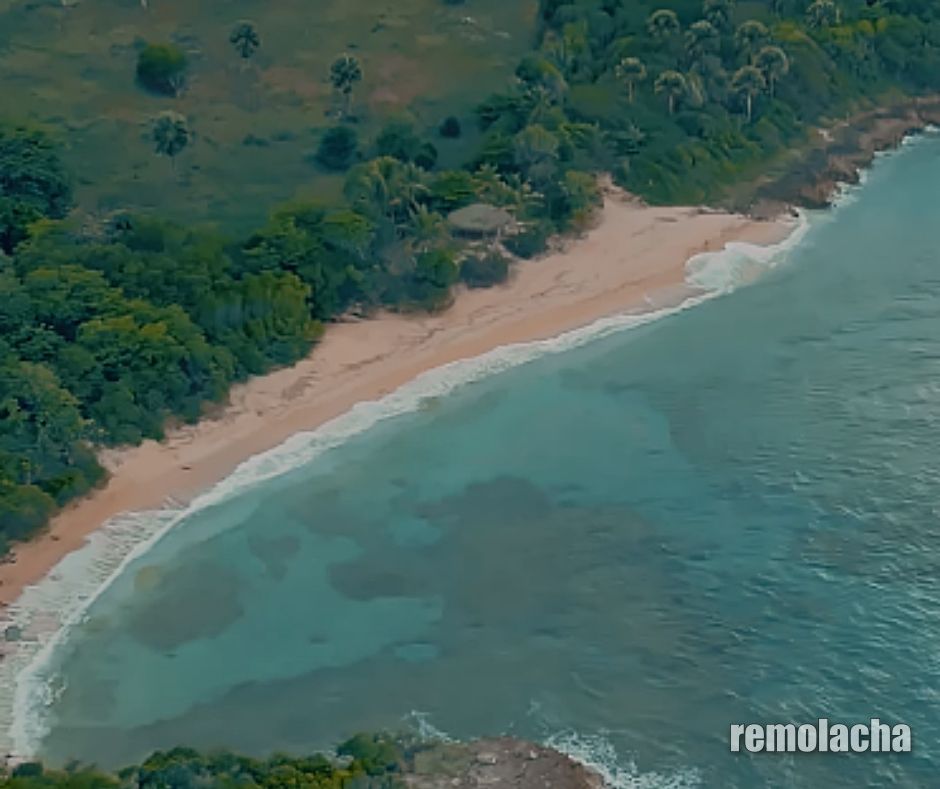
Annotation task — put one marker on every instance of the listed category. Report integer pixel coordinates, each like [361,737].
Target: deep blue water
[726,516]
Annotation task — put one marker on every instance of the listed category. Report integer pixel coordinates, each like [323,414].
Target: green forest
[111,329]
[362,762]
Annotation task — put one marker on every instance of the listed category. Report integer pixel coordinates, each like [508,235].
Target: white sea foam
[46,612]
[847,193]
[427,730]
[740,262]
[596,752]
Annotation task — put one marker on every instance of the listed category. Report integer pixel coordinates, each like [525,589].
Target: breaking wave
[596,753]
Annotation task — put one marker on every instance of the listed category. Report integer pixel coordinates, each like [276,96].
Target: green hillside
[71,65]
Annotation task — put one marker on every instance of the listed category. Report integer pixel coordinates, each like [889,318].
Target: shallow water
[726,516]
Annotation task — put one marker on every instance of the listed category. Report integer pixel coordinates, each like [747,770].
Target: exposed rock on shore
[503,763]
[837,155]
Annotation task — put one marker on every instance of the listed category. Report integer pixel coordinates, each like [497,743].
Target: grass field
[72,67]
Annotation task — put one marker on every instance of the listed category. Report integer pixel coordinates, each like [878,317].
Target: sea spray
[596,753]
[45,613]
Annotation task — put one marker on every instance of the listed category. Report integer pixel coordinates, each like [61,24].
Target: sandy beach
[635,256]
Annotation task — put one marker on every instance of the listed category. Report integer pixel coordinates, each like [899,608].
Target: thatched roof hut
[480,219]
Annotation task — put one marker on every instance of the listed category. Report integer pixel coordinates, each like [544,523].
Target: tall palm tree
[673,85]
[631,71]
[750,37]
[773,63]
[245,39]
[718,12]
[748,82]
[822,13]
[663,24]
[701,39]
[345,74]
[171,134]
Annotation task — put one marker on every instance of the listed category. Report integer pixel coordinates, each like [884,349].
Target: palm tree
[345,73]
[539,102]
[631,71]
[750,36]
[701,39]
[773,64]
[748,82]
[427,230]
[245,39]
[674,85]
[171,134]
[663,24]
[822,13]
[718,12]
[385,188]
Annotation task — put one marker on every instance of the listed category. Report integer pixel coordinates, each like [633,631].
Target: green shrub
[398,139]
[531,242]
[338,148]
[161,68]
[481,271]
[375,752]
[426,157]
[28,770]
[434,273]
[450,127]
[23,509]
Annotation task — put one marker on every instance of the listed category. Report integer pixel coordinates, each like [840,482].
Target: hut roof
[480,218]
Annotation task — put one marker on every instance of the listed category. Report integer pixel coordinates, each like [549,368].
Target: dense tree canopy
[367,761]
[105,333]
[688,96]
[33,182]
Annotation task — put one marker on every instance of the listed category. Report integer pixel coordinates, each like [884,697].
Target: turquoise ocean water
[728,515]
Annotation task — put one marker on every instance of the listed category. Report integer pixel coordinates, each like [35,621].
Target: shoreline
[635,258]
[170,474]
[835,155]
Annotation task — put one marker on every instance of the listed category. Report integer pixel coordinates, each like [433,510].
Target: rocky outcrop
[837,154]
[502,763]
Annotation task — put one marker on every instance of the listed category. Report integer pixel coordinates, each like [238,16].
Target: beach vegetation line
[115,325]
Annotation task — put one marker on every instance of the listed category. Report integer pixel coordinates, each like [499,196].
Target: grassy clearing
[72,67]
